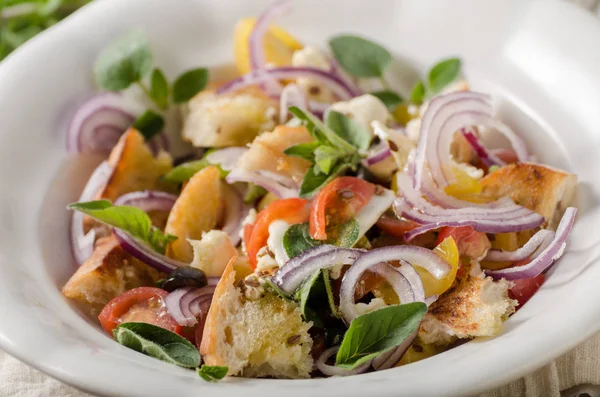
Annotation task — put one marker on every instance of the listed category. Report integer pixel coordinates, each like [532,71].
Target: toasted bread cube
[198,209]
[255,338]
[266,153]
[108,273]
[235,119]
[135,167]
[474,306]
[545,190]
[213,252]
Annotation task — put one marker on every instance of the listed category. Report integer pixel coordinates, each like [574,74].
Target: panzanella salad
[319,224]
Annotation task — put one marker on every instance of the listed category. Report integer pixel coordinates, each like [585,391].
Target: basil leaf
[329,291]
[307,289]
[442,74]
[212,373]
[189,84]
[389,98]
[297,239]
[303,150]
[159,343]
[418,93]
[149,124]
[345,234]
[131,220]
[376,332]
[325,158]
[159,88]
[254,193]
[360,57]
[320,131]
[312,182]
[124,62]
[349,130]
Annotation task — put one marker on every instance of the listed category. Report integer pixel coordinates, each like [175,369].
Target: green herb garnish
[376,332]
[149,124]
[297,237]
[389,98]
[212,373]
[439,77]
[159,88]
[159,343]
[131,220]
[348,129]
[360,57]
[189,84]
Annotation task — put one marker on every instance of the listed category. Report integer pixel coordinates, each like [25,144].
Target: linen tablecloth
[577,373]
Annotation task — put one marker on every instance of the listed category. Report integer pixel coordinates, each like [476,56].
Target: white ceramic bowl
[539,58]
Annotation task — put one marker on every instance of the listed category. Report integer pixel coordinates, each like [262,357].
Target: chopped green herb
[389,98]
[418,93]
[442,74]
[189,84]
[159,88]
[360,57]
[212,373]
[349,130]
[149,124]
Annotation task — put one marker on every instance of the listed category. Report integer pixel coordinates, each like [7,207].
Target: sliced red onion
[486,157]
[378,154]
[235,212]
[546,257]
[332,370]
[414,279]
[334,83]
[258,59]
[292,95]
[398,281]
[227,158]
[390,358]
[516,142]
[299,268]
[148,200]
[537,243]
[420,256]
[82,243]
[186,304]
[266,180]
[146,254]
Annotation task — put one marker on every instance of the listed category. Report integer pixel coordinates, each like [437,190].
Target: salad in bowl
[304,220]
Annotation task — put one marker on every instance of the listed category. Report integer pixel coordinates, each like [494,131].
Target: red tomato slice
[340,199]
[293,210]
[247,233]
[470,242]
[396,227]
[143,304]
[524,288]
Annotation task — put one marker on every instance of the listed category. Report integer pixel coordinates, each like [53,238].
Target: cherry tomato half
[292,210]
[143,304]
[396,227]
[340,199]
[524,288]
[470,242]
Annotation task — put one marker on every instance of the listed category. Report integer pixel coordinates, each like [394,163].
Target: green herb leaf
[345,234]
[418,93]
[254,193]
[376,332]
[212,373]
[159,88]
[149,124]
[159,343]
[326,157]
[303,150]
[189,84]
[312,182]
[389,98]
[123,62]
[320,131]
[360,57]
[307,289]
[131,220]
[442,74]
[297,239]
[275,288]
[183,172]
[348,129]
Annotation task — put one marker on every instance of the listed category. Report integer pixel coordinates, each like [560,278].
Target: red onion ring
[392,357]
[292,95]
[185,304]
[299,268]
[148,200]
[486,157]
[398,281]
[420,256]
[264,179]
[537,243]
[82,244]
[378,154]
[146,254]
[258,59]
[332,370]
[226,158]
[334,83]
[546,257]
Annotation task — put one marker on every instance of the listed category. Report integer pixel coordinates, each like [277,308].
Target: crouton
[213,252]
[545,190]
[474,306]
[109,272]
[256,338]
[235,119]
[198,209]
[266,153]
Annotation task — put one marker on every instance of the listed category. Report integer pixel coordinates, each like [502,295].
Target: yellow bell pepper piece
[419,351]
[465,187]
[279,45]
[448,251]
